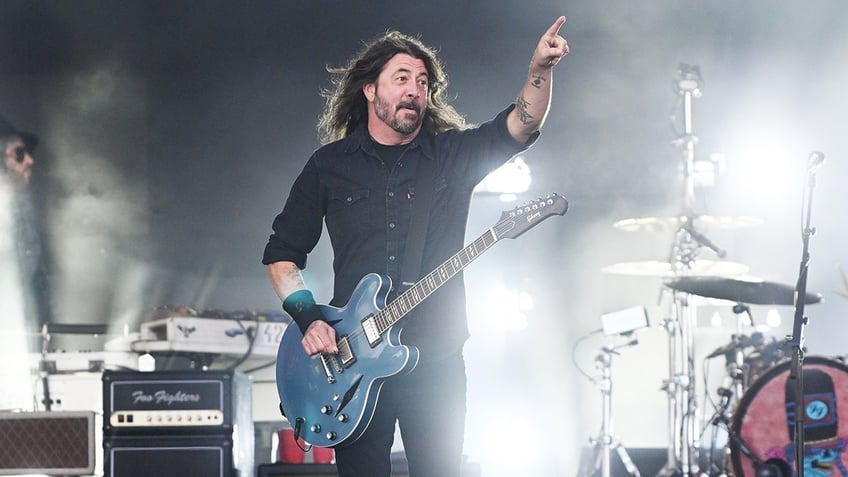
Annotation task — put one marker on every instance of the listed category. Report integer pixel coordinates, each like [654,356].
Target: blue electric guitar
[329,399]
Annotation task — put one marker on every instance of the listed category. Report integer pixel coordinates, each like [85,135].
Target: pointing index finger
[554,29]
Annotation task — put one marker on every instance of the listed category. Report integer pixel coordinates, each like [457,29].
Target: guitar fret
[409,299]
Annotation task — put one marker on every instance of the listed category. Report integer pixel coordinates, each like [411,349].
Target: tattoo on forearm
[521,107]
[295,277]
[537,81]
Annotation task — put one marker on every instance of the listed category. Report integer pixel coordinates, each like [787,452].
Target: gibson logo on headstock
[164,397]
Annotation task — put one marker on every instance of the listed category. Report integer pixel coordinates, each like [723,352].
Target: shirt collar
[359,140]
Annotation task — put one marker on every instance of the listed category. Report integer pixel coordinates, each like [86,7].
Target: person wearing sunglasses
[18,148]
[19,222]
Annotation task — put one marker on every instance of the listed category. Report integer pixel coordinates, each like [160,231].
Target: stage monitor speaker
[161,456]
[54,443]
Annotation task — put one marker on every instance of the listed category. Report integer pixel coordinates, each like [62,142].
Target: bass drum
[761,427]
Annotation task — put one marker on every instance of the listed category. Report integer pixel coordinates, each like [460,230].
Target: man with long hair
[387,118]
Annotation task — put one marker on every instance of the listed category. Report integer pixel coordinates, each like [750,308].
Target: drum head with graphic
[762,425]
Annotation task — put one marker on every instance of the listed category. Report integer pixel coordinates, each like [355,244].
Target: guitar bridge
[325,363]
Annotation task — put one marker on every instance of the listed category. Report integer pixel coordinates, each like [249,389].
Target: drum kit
[751,414]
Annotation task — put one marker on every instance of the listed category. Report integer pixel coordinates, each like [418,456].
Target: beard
[408,121]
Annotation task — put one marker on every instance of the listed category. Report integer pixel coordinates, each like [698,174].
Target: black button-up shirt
[367,205]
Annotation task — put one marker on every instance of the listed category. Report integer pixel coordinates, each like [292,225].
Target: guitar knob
[331,436]
[326,410]
[342,418]
[316,428]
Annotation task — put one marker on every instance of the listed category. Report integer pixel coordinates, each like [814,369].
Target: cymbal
[703,222]
[655,268]
[748,290]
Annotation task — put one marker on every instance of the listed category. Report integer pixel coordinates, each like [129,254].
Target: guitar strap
[411,267]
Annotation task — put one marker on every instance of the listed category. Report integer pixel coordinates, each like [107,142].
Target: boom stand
[606,442]
[796,340]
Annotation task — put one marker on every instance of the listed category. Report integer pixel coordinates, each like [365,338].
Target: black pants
[429,407]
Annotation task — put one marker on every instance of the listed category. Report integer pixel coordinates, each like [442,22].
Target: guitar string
[388,316]
[385,319]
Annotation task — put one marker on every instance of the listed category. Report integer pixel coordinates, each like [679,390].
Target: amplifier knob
[315,428]
[331,436]
[342,418]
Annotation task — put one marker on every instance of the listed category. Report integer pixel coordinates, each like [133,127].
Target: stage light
[510,444]
[508,180]
[773,318]
[715,320]
[507,308]
[15,370]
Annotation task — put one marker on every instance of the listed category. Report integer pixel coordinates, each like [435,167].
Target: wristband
[301,306]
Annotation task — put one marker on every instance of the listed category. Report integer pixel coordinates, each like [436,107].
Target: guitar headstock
[521,219]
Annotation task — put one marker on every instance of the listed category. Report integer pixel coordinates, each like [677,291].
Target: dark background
[171,132]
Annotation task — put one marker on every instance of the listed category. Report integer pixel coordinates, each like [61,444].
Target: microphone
[815,161]
[703,240]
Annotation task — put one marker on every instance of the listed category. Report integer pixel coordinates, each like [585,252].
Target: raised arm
[534,99]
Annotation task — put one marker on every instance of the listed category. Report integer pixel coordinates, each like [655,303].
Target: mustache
[409,105]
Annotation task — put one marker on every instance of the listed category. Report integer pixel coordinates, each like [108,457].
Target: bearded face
[398,99]
[405,117]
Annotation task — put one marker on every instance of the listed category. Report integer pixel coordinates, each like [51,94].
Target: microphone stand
[796,340]
[606,442]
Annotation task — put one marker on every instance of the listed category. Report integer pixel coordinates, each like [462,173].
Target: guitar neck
[425,287]
[511,224]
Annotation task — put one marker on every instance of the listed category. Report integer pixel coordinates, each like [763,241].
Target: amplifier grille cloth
[54,443]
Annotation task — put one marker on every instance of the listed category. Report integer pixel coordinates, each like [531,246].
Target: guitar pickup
[372,334]
[345,353]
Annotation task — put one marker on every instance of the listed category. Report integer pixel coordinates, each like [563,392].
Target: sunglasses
[20,154]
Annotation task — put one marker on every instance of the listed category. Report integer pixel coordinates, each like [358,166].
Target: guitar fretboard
[413,296]
[511,225]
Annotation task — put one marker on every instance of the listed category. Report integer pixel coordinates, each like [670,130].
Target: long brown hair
[346,107]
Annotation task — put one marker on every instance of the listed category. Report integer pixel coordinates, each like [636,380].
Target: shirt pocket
[349,210]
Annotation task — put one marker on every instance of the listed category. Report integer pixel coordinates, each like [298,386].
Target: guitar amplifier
[151,417]
[175,402]
[169,456]
[53,442]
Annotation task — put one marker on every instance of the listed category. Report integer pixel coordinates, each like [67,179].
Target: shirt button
[349,199]
[391,194]
[391,225]
[392,258]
